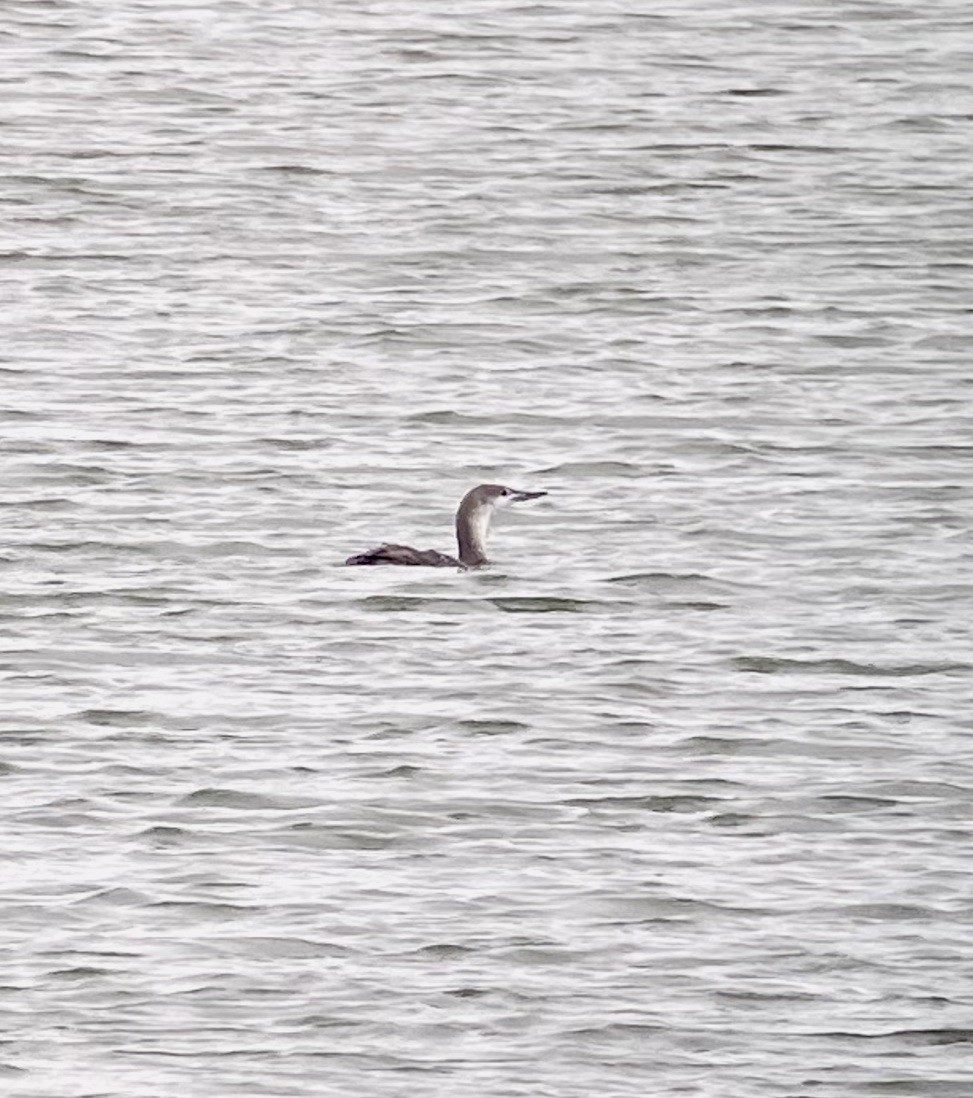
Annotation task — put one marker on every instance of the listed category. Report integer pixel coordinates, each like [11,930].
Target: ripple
[316,836]
[595,469]
[118,718]
[251,801]
[768,665]
[664,582]
[412,603]
[659,803]
[484,727]
[921,1037]
[543,604]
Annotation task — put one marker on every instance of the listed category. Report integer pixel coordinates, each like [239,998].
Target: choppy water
[673,800]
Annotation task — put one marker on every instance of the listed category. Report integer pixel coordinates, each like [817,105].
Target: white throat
[472,525]
[480,524]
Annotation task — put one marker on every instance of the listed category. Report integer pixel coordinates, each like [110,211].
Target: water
[675,799]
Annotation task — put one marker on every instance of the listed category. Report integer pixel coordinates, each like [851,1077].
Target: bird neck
[472,523]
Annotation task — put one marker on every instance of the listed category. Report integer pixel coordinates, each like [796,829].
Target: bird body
[472,523]
[388,553]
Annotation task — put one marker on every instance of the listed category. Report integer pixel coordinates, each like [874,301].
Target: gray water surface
[675,799]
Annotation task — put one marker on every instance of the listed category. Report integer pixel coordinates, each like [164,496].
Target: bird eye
[505,492]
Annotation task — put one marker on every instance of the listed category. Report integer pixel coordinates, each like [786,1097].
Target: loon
[472,522]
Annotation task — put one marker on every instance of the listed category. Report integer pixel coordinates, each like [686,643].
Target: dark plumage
[403,554]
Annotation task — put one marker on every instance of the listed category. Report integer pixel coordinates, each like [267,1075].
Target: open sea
[676,798]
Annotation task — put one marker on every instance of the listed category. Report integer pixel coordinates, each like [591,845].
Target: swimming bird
[472,522]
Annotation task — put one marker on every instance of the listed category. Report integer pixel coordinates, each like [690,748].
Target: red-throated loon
[472,523]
